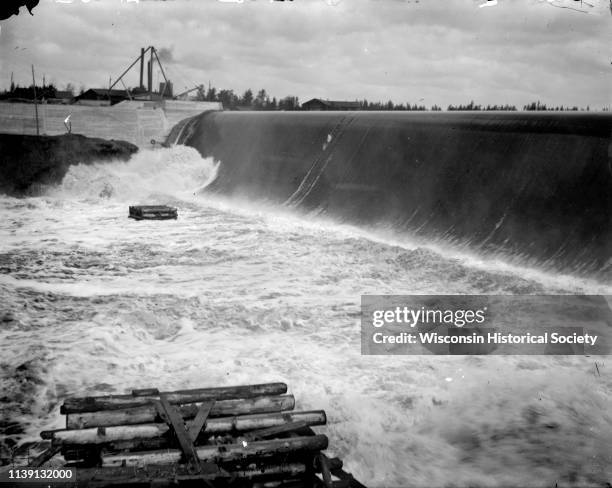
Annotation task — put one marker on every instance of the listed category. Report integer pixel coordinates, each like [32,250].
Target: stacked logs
[210,434]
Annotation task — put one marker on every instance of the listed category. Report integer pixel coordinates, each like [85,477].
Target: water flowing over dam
[96,303]
[533,187]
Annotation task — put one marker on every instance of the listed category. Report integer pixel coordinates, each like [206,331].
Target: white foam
[178,171]
[236,293]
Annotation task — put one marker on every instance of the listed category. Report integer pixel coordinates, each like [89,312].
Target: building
[101,96]
[318,104]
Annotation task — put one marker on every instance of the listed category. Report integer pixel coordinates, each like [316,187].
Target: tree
[289,103]
[247,98]
[211,94]
[228,98]
[260,100]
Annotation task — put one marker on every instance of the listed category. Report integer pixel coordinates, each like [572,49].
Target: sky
[427,52]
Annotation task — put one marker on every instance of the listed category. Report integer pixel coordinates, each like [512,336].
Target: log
[222,453]
[44,456]
[124,476]
[275,431]
[148,413]
[199,422]
[89,452]
[215,426]
[139,398]
[182,436]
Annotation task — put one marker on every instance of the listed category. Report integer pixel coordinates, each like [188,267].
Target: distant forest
[263,101]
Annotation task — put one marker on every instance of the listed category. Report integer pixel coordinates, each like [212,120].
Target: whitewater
[239,291]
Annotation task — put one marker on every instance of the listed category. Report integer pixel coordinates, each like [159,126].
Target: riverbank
[27,162]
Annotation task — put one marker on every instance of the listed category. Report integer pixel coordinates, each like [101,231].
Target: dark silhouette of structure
[318,104]
[101,96]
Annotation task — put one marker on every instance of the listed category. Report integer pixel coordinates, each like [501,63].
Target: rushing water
[237,293]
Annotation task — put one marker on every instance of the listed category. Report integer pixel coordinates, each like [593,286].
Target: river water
[237,292]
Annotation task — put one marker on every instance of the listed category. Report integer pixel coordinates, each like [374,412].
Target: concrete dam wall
[137,122]
[535,187]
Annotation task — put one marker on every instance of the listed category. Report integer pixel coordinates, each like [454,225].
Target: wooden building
[101,96]
[319,104]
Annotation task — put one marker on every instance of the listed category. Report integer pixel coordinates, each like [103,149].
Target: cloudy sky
[427,51]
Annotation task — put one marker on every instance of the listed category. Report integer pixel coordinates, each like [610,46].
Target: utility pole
[35,101]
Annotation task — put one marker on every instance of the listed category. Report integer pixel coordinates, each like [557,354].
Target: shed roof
[334,103]
[105,92]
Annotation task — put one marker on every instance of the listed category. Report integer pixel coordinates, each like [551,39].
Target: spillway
[536,187]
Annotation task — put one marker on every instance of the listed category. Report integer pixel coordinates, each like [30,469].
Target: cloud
[448,52]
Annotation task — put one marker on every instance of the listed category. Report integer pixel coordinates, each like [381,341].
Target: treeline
[260,101]
[263,101]
[533,106]
[45,91]
[365,105]
[473,106]
[27,93]
[560,108]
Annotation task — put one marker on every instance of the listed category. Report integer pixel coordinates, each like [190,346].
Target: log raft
[200,437]
[152,212]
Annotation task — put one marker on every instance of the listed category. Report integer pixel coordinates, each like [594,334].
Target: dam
[283,224]
[535,188]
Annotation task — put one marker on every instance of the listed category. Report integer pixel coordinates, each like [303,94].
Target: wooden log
[159,473]
[275,431]
[223,453]
[148,413]
[199,422]
[323,462]
[112,434]
[44,456]
[139,398]
[75,443]
[178,426]
[73,452]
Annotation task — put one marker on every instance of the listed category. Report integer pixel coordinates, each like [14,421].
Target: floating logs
[241,435]
[152,212]
[139,398]
[149,413]
[214,426]
[253,471]
[223,453]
